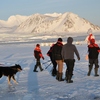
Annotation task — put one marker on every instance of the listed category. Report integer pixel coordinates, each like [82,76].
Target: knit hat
[60,39]
[37,45]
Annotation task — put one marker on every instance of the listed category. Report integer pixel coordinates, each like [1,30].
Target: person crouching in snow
[38,55]
[89,37]
[93,52]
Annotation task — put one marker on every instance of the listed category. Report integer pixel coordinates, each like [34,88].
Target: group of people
[60,54]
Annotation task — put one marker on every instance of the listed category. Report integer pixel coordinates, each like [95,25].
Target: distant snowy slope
[31,23]
[13,21]
[56,23]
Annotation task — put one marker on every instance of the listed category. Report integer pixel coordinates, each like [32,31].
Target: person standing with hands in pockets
[38,55]
[68,51]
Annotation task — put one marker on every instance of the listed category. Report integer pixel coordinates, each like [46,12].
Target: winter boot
[69,79]
[60,77]
[57,76]
[89,72]
[96,71]
[35,69]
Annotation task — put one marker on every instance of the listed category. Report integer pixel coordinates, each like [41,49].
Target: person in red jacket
[93,52]
[38,55]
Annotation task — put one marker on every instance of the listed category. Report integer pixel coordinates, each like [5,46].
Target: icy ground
[41,85]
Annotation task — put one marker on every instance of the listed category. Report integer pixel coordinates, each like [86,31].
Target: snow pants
[70,68]
[91,63]
[38,64]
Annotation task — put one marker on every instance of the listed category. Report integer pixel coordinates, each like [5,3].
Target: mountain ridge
[63,23]
[48,24]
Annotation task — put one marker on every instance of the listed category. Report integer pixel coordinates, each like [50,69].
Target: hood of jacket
[69,40]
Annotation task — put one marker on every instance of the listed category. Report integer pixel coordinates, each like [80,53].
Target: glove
[78,58]
[43,58]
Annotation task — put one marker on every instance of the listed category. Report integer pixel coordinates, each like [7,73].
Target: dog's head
[18,67]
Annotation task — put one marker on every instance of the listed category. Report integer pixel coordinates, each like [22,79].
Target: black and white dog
[10,71]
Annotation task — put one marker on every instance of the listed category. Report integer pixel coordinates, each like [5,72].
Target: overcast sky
[88,9]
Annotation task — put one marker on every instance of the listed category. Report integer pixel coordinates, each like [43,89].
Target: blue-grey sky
[88,9]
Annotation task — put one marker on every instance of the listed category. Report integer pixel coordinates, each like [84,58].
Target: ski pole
[48,66]
[46,62]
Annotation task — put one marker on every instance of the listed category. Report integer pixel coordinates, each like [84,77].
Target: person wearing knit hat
[60,39]
[38,55]
[93,53]
[56,55]
[68,51]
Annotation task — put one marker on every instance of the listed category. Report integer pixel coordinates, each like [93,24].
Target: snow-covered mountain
[56,23]
[12,23]
[47,24]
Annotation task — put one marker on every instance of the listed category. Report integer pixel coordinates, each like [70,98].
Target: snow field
[41,85]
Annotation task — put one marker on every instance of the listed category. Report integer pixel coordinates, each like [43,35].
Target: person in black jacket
[93,52]
[56,55]
[38,55]
[49,53]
